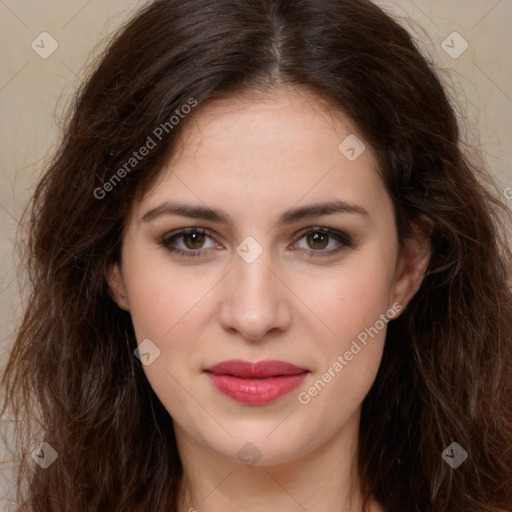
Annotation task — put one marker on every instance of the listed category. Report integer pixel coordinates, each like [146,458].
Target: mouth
[260,383]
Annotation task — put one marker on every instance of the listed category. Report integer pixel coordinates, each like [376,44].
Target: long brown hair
[72,379]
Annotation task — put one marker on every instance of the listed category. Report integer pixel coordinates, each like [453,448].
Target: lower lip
[256,391]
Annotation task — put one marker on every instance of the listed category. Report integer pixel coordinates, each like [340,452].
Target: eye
[318,239]
[192,241]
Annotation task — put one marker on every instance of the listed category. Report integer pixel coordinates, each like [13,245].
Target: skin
[255,157]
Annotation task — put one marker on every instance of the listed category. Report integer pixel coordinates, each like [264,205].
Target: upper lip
[246,369]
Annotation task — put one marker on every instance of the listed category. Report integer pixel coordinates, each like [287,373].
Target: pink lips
[255,383]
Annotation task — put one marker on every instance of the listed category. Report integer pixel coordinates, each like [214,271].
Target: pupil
[319,238]
[196,239]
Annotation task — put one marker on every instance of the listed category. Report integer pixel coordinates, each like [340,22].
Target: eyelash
[341,238]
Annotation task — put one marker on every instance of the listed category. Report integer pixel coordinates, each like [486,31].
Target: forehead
[254,121]
[251,152]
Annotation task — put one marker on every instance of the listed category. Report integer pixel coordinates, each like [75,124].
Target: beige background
[34,91]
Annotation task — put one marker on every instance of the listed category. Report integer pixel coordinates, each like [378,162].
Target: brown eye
[193,240]
[323,241]
[188,242]
[318,240]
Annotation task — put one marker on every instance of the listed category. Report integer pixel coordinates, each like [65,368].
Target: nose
[254,300]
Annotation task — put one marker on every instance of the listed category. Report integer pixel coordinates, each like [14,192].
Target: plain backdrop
[35,90]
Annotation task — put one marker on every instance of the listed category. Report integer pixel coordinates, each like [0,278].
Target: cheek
[166,308]
[355,305]
[356,308]
[355,296]
[162,299]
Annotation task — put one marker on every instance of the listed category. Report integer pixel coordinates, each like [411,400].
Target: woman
[264,277]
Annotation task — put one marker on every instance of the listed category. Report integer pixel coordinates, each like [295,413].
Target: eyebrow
[288,217]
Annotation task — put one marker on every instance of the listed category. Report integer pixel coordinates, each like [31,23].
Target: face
[229,258]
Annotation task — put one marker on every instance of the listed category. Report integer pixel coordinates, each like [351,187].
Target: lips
[262,369]
[255,383]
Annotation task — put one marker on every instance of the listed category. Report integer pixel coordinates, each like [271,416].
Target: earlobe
[413,261]
[116,286]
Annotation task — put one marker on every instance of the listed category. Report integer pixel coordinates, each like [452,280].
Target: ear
[116,286]
[413,261]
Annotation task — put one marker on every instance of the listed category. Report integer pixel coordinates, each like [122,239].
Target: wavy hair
[445,375]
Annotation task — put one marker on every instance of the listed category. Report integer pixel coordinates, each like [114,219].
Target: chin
[258,444]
